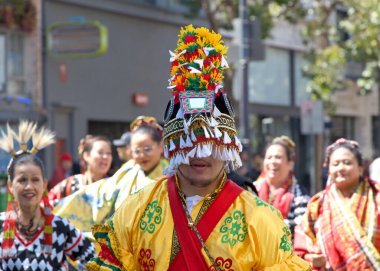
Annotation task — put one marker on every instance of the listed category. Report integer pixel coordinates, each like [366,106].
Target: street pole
[244,60]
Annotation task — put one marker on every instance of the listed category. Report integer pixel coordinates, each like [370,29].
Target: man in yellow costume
[195,218]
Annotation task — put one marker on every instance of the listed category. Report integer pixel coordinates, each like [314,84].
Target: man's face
[201,172]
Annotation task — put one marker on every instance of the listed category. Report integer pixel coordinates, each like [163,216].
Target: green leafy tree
[339,33]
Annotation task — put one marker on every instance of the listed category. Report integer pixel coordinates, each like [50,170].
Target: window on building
[301,80]
[342,127]
[269,81]
[12,74]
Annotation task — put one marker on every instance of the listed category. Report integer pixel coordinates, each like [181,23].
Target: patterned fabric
[347,233]
[298,204]
[238,242]
[66,188]
[96,202]
[67,241]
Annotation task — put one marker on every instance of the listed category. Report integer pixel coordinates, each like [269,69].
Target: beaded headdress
[40,139]
[199,119]
[146,121]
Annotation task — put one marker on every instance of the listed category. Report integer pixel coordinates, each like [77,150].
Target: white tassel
[211,133]
[217,87]
[216,113]
[224,62]
[207,50]
[217,132]
[207,150]
[213,122]
[185,127]
[189,121]
[224,155]
[200,152]
[207,135]
[192,152]
[172,146]
[179,114]
[238,144]
[188,141]
[193,137]
[186,160]
[182,143]
[166,151]
[199,62]
[238,161]
[227,139]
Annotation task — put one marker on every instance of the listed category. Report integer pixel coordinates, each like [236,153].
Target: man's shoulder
[151,191]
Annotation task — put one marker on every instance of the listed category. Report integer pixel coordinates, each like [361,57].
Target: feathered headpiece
[199,119]
[40,139]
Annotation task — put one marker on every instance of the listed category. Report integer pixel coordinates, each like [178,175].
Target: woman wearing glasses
[96,202]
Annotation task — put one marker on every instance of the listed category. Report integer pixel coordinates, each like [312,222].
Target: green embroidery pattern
[151,217]
[260,202]
[234,228]
[285,244]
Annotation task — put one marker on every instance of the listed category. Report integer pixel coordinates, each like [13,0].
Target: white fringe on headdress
[25,132]
[41,139]
[6,140]
[222,153]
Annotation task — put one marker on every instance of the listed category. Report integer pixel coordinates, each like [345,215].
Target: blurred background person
[97,157]
[277,183]
[341,226]
[62,171]
[123,147]
[374,170]
[95,203]
[250,170]
[31,237]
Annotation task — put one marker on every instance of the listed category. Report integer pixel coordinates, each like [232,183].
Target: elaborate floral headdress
[199,119]
[40,139]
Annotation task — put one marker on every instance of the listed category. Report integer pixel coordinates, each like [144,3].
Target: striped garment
[347,233]
[298,205]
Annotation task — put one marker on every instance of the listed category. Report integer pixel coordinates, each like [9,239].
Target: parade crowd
[184,198]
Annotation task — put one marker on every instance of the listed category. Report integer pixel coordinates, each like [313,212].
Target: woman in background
[97,156]
[277,184]
[340,230]
[31,237]
[95,203]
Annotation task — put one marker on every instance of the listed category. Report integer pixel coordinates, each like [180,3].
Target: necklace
[190,221]
[27,231]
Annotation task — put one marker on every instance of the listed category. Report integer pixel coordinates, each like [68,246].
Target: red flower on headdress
[189,39]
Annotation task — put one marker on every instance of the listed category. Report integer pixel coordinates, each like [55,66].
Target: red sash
[190,256]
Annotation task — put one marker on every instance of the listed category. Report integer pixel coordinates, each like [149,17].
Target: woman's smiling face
[28,185]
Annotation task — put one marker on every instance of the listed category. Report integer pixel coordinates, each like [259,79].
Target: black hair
[23,159]
[353,148]
[153,132]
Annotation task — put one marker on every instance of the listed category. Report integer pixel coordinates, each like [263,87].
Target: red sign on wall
[140,99]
